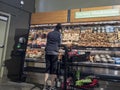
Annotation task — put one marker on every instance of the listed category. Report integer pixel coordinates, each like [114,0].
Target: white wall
[52,5]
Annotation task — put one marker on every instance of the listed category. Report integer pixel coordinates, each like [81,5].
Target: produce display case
[100,44]
[94,42]
[101,39]
[36,43]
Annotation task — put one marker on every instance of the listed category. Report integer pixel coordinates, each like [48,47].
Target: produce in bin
[88,82]
[82,82]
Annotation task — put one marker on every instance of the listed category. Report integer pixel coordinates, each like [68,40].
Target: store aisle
[8,85]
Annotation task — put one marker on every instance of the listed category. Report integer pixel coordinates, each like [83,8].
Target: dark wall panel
[29,5]
[20,18]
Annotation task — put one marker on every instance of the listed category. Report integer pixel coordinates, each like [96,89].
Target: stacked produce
[36,43]
[75,36]
[103,58]
[94,39]
[70,36]
[35,53]
[88,37]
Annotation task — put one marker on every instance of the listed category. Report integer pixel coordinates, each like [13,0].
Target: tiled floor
[108,85]
[8,85]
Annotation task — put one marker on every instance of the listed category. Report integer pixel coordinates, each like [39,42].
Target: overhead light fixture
[21,3]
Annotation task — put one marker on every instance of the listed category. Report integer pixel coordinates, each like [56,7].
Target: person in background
[51,55]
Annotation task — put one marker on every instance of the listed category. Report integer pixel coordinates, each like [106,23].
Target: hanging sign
[97,13]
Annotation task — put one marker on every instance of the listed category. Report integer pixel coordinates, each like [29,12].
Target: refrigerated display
[36,44]
[100,39]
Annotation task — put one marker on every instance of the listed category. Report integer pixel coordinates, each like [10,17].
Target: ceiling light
[22,2]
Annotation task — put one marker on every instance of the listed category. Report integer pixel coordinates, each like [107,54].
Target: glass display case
[101,39]
[36,43]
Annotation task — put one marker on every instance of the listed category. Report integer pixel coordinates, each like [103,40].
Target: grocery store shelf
[35,60]
[101,70]
[99,65]
[34,69]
